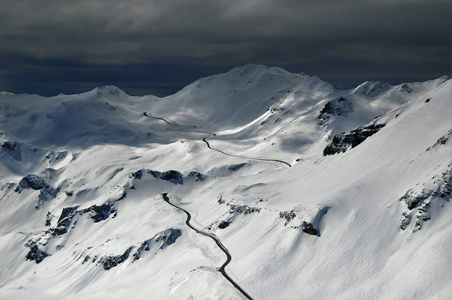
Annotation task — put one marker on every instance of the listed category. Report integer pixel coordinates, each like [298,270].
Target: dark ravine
[217,241]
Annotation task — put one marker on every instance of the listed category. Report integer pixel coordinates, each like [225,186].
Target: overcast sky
[157,47]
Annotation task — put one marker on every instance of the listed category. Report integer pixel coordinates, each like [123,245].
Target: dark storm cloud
[160,46]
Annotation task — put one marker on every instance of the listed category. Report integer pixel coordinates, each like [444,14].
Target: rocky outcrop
[100,213]
[167,237]
[161,240]
[36,254]
[236,167]
[112,261]
[138,174]
[64,221]
[10,145]
[441,141]
[343,141]
[225,223]
[196,176]
[288,216]
[32,181]
[419,202]
[171,176]
[337,107]
[308,228]
[243,209]
[35,182]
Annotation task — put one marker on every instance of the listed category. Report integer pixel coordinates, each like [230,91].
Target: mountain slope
[82,179]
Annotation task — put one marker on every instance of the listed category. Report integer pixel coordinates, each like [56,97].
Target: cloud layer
[74,43]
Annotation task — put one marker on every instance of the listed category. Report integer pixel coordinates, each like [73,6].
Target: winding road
[187,128]
[217,241]
[168,122]
[192,128]
[244,157]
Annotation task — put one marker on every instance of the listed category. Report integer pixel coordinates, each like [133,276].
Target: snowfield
[315,193]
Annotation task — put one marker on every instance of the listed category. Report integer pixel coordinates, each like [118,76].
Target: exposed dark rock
[48,219]
[224,224]
[406,220]
[164,238]
[445,187]
[221,200]
[34,182]
[197,176]
[137,174]
[308,228]
[345,140]
[144,247]
[64,220]
[412,199]
[109,262]
[243,209]
[10,145]
[441,141]
[155,174]
[86,259]
[167,237]
[236,167]
[337,107]
[36,254]
[406,88]
[288,216]
[421,216]
[422,200]
[172,176]
[99,213]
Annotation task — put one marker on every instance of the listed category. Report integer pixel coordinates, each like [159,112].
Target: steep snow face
[346,192]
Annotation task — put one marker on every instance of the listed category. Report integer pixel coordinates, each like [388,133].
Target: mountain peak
[108,90]
[372,88]
[3,93]
[256,68]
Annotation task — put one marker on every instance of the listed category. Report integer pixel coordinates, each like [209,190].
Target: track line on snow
[217,241]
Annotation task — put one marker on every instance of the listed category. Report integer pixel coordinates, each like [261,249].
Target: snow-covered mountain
[294,190]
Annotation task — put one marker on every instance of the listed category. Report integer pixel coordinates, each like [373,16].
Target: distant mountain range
[256,183]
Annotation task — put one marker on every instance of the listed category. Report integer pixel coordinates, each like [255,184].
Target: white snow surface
[87,149]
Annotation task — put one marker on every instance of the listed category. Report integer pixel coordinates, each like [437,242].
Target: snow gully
[217,241]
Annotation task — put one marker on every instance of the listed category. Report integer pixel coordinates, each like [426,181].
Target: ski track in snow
[217,241]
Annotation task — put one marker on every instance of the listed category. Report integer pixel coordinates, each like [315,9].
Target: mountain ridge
[82,178]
